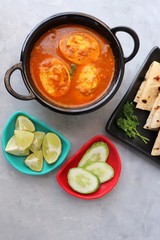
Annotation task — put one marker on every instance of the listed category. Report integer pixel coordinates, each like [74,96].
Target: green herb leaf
[129,122]
[128,109]
[72,69]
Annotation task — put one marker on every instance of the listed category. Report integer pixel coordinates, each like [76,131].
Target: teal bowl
[18,162]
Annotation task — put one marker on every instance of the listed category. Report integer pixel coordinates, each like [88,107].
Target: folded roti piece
[143,84]
[156,147]
[153,120]
[151,89]
[140,90]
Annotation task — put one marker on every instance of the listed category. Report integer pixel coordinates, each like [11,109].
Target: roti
[143,84]
[139,92]
[153,120]
[151,88]
[156,147]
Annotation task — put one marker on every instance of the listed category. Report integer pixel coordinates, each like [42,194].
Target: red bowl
[113,160]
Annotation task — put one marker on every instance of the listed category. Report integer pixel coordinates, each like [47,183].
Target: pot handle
[134,35]
[7,82]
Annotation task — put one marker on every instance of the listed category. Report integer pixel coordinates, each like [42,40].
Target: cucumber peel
[82,181]
[102,170]
[99,151]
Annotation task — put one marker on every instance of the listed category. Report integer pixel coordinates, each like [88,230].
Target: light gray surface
[36,207]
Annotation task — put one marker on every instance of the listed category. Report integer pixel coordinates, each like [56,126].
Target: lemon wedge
[51,147]
[24,123]
[13,148]
[23,139]
[37,141]
[35,161]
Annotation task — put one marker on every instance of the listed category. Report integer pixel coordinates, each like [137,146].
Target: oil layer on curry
[72,65]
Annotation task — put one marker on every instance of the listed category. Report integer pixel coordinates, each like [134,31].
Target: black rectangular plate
[114,130]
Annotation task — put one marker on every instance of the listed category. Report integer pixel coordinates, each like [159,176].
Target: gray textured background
[36,207]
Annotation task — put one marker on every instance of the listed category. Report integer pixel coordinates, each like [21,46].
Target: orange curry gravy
[94,65]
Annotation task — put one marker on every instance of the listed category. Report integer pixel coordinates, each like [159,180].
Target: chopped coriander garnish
[72,69]
[129,122]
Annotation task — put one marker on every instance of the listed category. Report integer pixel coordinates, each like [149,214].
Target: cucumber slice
[102,170]
[82,181]
[99,151]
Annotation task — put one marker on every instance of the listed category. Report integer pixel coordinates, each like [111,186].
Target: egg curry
[72,65]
